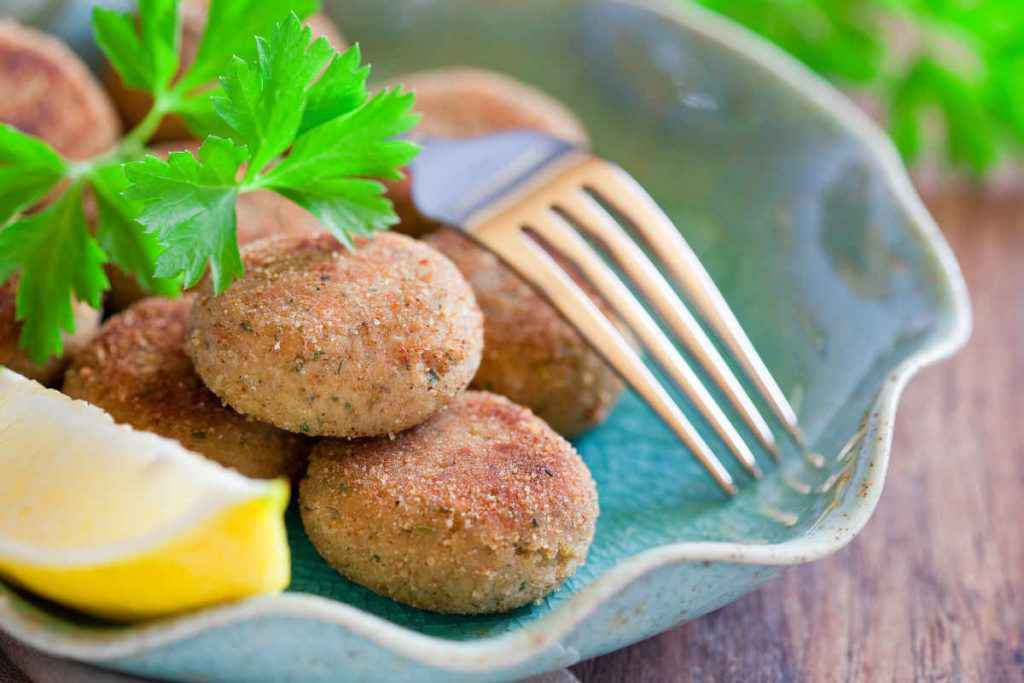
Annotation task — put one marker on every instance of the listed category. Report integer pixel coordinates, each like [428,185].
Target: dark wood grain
[933,589]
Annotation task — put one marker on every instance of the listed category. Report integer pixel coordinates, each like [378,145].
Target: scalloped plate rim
[509,650]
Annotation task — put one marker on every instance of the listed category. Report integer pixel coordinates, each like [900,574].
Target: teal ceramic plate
[803,214]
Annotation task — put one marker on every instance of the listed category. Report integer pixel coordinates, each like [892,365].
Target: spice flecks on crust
[481,509]
[320,340]
[137,370]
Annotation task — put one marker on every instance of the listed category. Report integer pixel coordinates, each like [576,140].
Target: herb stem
[254,184]
[83,170]
[137,138]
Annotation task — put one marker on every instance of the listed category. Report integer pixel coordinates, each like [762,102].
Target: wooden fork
[525,195]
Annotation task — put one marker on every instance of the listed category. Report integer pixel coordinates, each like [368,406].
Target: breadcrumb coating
[136,369]
[323,341]
[481,509]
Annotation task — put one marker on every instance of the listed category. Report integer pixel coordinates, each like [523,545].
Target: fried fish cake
[136,369]
[481,509]
[48,92]
[321,340]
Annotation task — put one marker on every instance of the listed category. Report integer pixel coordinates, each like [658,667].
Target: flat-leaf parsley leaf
[29,170]
[288,114]
[349,140]
[190,204]
[57,260]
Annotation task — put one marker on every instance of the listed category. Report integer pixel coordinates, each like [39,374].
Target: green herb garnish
[56,256]
[955,64]
[280,112]
[348,138]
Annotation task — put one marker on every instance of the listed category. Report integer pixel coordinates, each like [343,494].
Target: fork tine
[565,240]
[684,266]
[537,267]
[589,216]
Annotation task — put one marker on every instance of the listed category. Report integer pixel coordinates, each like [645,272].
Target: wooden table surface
[933,588]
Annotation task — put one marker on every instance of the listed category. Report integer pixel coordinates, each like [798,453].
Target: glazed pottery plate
[804,216]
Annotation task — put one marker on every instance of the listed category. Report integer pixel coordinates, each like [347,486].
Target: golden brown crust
[260,215]
[134,105]
[46,91]
[531,354]
[481,509]
[137,370]
[465,102]
[323,341]
[87,321]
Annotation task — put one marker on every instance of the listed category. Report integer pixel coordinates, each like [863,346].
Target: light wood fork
[526,196]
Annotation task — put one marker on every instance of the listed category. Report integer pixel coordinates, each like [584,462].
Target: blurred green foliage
[960,62]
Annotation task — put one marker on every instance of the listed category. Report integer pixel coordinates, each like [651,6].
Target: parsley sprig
[280,111]
[346,138]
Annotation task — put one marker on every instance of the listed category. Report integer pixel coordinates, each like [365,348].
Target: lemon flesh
[125,524]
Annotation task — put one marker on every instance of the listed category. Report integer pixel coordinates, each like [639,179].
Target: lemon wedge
[124,524]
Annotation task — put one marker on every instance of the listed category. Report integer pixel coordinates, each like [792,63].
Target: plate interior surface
[797,220]
[790,214]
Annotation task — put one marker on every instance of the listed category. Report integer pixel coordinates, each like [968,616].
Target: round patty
[134,105]
[481,509]
[531,354]
[46,91]
[464,102]
[137,370]
[87,321]
[260,214]
[320,340]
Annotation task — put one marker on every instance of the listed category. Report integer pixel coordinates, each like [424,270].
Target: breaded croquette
[481,509]
[48,92]
[136,370]
[325,341]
